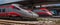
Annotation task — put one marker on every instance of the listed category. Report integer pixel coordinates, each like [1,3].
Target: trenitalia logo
[50,5]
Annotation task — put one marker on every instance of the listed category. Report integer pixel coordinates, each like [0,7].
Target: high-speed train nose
[34,15]
[25,13]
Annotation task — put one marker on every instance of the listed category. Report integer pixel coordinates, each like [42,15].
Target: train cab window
[16,8]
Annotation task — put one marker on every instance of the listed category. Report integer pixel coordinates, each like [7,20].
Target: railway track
[13,22]
[51,18]
[10,22]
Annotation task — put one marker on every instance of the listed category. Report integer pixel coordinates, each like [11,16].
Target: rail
[10,22]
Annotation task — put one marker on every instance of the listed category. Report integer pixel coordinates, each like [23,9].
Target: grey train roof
[9,1]
[49,5]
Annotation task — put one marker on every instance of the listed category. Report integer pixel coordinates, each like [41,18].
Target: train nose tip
[35,16]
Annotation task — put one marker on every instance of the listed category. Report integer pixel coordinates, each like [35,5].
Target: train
[16,11]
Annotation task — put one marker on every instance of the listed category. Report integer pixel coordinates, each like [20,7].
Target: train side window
[3,10]
[0,10]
